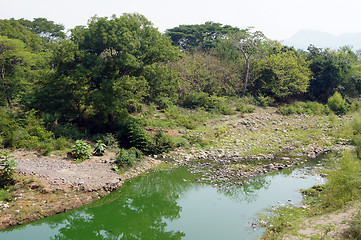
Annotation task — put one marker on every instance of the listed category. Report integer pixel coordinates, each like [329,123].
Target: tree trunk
[245,82]
[5,89]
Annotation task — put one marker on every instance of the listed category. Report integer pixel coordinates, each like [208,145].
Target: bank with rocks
[261,143]
[248,145]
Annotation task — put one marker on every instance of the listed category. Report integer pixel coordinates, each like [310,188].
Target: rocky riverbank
[241,147]
[260,143]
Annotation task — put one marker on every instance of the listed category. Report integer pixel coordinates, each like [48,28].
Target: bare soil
[49,185]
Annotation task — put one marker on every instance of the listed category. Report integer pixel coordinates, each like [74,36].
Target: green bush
[265,101]
[99,148]
[7,164]
[135,135]
[343,184]
[5,195]
[161,143]
[69,130]
[243,108]
[128,157]
[195,99]
[81,151]
[337,104]
[109,139]
[62,143]
[354,231]
[185,119]
[355,106]
[164,102]
[194,137]
[22,130]
[310,108]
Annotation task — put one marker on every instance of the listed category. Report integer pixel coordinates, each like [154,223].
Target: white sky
[278,19]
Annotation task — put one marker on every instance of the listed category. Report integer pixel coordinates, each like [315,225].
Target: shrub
[194,137]
[195,99]
[108,139]
[164,102]
[99,148]
[23,130]
[69,130]
[221,130]
[5,195]
[7,164]
[311,108]
[161,143]
[62,143]
[128,157]
[243,108]
[135,135]
[265,101]
[343,184]
[81,150]
[354,231]
[337,104]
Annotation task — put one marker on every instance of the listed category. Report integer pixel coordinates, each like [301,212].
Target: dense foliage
[94,83]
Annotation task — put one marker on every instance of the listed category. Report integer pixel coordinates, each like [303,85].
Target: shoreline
[250,146]
[37,199]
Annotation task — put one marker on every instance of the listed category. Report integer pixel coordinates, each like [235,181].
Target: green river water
[171,205]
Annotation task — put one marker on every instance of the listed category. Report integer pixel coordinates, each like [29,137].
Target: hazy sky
[278,19]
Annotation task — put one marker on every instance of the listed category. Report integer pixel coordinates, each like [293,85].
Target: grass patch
[310,108]
[5,195]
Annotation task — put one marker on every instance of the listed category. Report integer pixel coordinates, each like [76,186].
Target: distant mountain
[303,39]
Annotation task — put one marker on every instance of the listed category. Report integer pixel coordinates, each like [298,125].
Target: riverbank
[242,147]
[262,142]
[49,185]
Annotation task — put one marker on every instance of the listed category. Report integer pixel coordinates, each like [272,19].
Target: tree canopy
[100,70]
[199,36]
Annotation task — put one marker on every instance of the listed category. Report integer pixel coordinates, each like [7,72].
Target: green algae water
[172,205]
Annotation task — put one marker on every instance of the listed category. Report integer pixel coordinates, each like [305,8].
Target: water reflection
[136,212]
[167,205]
[248,192]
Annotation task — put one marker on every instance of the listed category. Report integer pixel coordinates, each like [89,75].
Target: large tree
[331,69]
[100,70]
[15,62]
[249,44]
[199,36]
[283,74]
[44,28]
[15,30]
[207,72]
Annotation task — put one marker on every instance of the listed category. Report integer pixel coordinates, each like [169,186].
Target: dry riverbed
[248,145]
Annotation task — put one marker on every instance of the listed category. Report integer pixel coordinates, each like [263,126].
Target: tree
[206,72]
[199,36]
[44,28]
[331,70]
[250,44]
[100,70]
[282,75]
[15,61]
[15,30]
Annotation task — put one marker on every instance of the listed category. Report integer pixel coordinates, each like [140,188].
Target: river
[173,205]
